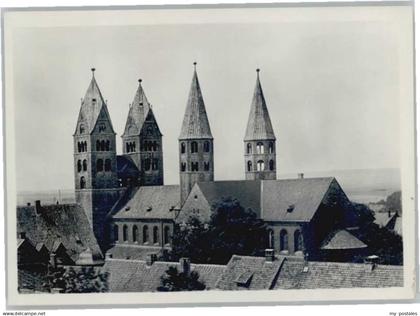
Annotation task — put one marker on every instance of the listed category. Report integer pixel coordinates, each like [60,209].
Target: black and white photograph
[215,154]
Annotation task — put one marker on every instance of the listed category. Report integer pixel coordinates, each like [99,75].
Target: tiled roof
[152,202]
[133,252]
[293,199]
[272,200]
[246,192]
[126,167]
[342,239]
[90,109]
[137,276]
[195,124]
[260,274]
[337,275]
[56,224]
[259,122]
[137,113]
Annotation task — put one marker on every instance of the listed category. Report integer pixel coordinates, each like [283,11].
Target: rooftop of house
[150,202]
[139,276]
[53,225]
[342,240]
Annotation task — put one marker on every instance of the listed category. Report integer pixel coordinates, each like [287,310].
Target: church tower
[259,141]
[142,140]
[95,160]
[195,142]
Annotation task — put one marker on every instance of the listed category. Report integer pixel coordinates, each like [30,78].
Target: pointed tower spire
[260,150]
[195,124]
[195,142]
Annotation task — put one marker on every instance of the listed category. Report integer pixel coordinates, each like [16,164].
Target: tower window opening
[271,148]
[135,233]
[81,129]
[98,145]
[79,166]
[249,166]
[166,235]
[147,164]
[155,235]
[194,147]
[102,145]
[155,164]
[182,148]
[271,165]
[206,147]
[107,145]
[249,148]
[82,183]
[125,233]
[206,166]
[194,166]
[260,165]
[260,148]
[127,147]
[108,165]
[99,165]
[155,146]
[183,166]
[145,234]
[84,165]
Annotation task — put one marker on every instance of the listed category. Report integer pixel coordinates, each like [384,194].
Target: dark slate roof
[90,111]
[126,167]
[137,113]
[246,192]
[259,274]
[151,202]
[271,199]
[302,196]
[342,239]
[195,124]
[56,224]
[133,252]
[259,123]
[324,275]
[137,276]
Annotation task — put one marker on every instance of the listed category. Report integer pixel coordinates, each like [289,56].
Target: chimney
[373,260]
[185,265]
[38,206]
[300,175]
[53,260]
[151,258]
[22,235]
[269,255]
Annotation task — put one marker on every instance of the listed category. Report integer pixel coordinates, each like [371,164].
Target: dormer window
[290,208]
[102,127]
[82,129]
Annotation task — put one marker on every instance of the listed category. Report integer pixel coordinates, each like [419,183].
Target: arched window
[98,145]
[183,166]
[270,239]
[125,233]
[155,235]
[79,148]
[155,164]
[206,146]
[249,166]
[82,183]
[260,148]
[166,235]
[155,146]
[206,166]
[99,165]
[84,165]
[145,234]
[107,144]
[249,148]
[108,165]
[194,166]
[81,129]
[284,240]
[260,165]
[298,241]
[85,146]
[271,147]
[182,148]
[135,233]
[79,166]
[102,145]
[271,165]
[147,164]
[150,146]
[127,147]
[115,232]
[194,147]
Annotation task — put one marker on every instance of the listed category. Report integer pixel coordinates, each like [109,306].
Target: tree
[231,230]
[393,202]
[180,281]
[70,280]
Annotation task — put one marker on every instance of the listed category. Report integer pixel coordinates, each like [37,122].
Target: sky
[331,90]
